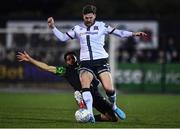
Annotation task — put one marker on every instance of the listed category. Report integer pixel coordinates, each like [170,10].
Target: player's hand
[50,22]
[23,56]
[141,34]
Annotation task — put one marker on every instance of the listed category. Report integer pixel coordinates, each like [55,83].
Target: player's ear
[83,16]
[94,15]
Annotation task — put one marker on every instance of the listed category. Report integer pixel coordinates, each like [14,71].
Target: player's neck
[74,65]
[88,26]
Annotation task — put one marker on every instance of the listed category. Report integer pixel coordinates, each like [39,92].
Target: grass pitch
[56,110]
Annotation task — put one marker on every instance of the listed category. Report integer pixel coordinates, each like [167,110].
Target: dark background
[166,12]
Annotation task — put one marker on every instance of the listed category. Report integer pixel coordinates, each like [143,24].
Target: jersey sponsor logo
[88,32]
[106,25]
[96,28]
[82,33]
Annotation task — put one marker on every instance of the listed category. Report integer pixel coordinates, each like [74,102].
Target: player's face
[70,59]
[89,19]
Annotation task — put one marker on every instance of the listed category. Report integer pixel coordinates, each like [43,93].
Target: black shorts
[95,66]
[100,103]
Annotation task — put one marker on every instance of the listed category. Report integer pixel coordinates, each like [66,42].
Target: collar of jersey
[89,26]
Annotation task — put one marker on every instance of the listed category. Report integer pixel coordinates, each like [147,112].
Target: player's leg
[103,70]
[103,106]
[106,80]
[107,114]
[86,78]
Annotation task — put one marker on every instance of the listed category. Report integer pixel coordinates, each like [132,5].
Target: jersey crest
[106,25]
[96,28]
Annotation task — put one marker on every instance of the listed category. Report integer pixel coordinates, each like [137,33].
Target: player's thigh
[85,78]
[106,80]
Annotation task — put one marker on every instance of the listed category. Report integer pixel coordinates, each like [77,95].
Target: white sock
[87,97]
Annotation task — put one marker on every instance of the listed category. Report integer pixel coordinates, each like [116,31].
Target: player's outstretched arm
[61,36]
[24,56]
[124,33]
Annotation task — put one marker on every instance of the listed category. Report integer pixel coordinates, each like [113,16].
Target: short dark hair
[69,53]
[89,9]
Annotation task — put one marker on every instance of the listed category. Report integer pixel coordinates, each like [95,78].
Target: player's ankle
[114,107]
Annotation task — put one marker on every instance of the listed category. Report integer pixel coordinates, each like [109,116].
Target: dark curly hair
[89,9]
[69,53]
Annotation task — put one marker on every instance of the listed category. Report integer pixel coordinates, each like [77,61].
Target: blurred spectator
[2,52]
[167,52]
[10,59]
[129,44]
[149,56]
[174,56]
[171,51]
[134,58]
[170,45]
[125,57]
[140,56]
[161,57]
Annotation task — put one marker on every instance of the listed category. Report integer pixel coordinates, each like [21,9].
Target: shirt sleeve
[117,32]
[108,29]
[71,33]
[122,33]
[63,36]
[60,71]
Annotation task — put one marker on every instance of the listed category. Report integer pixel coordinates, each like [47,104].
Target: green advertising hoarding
[148,77]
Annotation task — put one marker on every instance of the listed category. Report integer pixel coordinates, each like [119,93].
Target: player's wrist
[30,60]
[133,33]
